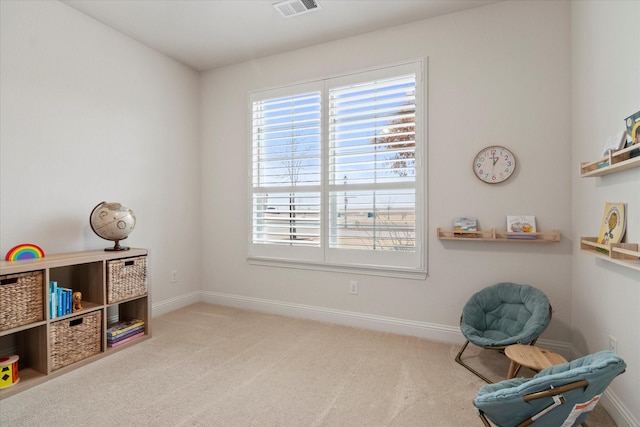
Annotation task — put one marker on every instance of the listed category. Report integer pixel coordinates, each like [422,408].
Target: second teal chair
[559,396]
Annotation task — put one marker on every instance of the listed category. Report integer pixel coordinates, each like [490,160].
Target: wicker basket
[21,299]
[75,338]
[126,278]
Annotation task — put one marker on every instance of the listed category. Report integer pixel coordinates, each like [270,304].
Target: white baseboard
[618,412]
[348,318]
[172,304]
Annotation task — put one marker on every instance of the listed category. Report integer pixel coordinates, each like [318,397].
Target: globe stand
[111,207]
[117,247]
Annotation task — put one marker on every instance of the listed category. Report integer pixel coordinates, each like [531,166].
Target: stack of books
[60,301]
[124,331]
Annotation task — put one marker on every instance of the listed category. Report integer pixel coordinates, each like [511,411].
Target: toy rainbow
[24,251]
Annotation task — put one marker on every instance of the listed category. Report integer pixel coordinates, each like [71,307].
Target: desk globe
[112,221]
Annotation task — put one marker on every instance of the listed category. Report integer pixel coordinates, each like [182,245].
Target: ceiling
[207,34]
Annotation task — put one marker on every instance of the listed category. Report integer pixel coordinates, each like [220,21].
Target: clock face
[494,164]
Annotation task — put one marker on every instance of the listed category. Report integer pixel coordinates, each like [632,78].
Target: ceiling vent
[290,8]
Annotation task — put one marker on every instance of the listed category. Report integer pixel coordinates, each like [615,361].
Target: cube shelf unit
[493,235]
[38,343]
[624,254]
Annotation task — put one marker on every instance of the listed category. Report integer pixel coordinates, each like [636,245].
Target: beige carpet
[209,365]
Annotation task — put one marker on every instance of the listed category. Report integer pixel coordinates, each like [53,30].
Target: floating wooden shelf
[493,235]
[616,161]
[625,254]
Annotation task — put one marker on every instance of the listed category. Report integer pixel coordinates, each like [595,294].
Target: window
[337,173]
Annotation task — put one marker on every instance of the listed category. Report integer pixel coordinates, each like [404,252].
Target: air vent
[290,8]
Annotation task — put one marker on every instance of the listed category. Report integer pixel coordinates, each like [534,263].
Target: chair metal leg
[459,360]
[483,418]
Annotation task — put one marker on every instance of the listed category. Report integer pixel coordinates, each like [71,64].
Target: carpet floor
[209,365]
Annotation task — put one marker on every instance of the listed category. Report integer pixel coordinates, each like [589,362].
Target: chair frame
[551,392]
[498,348]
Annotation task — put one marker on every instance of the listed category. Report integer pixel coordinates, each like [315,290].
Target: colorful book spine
[53,299]
[60,300]
[67,301]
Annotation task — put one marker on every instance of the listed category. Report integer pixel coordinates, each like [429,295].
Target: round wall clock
[494,164]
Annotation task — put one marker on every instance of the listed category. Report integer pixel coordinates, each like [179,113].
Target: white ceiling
[206,34]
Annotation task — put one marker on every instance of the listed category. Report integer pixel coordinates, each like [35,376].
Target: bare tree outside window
[399,138]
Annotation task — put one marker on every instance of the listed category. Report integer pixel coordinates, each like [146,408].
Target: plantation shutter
[286,178]
[337,177]
[372,162]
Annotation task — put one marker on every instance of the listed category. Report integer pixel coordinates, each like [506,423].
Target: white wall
[493,78]
[87,114]
[606,89]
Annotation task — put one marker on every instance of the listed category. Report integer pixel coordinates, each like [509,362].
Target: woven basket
[126,278]
[75,338]
[21,299]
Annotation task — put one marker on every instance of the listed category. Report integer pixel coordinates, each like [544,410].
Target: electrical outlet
[174,276]
[613,344]
[353,287]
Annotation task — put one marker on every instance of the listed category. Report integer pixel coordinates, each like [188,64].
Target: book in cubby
[60,300]
[124,331]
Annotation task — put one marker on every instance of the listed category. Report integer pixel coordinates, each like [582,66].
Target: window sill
[369,270]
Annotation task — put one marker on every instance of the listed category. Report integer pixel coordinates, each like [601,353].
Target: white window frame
[382,263]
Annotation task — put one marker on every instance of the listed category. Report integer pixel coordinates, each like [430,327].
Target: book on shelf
[614,143]
[125,335]
[613,225]
[633,131]
[632,124]
[521,227]
[111,336]
[465,226]
[60,300]
[122,327]
[53,299]
[130,338]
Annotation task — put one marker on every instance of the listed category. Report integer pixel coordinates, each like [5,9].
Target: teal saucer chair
[501,315]
[558,396]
